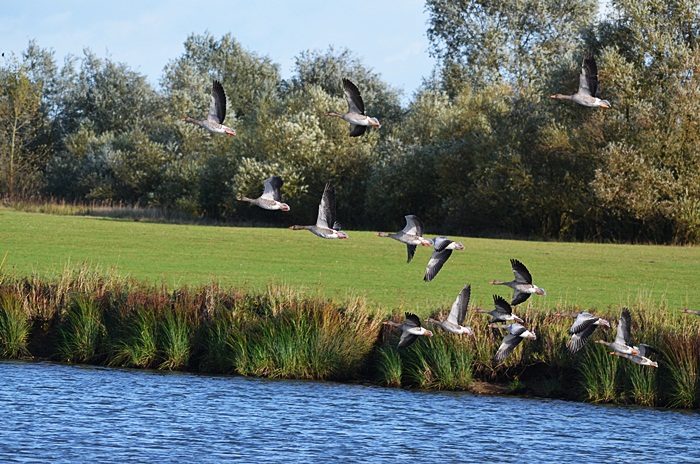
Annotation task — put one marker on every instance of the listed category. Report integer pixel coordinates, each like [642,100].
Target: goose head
[284,206]
[604,104]
[540,291]
[602,322]
[374,122]
[229,131]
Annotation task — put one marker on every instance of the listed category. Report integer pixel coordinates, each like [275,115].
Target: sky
[388,36]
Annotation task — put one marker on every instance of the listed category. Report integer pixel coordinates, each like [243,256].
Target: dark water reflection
[59,413]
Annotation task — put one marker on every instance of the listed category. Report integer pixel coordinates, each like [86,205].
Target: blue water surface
[60,413]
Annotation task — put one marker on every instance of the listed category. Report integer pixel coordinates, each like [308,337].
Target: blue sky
[388,36]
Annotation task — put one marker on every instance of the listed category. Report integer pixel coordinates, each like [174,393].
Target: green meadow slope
[574,274]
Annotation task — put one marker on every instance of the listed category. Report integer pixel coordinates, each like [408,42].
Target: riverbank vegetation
[87,317]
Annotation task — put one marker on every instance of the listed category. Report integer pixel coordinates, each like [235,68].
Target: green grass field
[574,274]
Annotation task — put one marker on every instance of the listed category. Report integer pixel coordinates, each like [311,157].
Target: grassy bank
[89,317]
[574,274]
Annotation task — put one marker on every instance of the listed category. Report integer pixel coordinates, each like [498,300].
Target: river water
[59,413]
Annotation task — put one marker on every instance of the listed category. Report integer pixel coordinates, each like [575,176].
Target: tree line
[480,148]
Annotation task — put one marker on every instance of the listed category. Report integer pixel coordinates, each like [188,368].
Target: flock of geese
[502,316]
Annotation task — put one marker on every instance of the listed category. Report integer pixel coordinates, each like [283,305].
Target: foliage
[479,149]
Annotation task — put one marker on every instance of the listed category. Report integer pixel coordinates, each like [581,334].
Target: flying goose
[641,358]
[588,92]
[411,235]
[356,111]
[516,333]
[443,249]
[623,338]
[271,197]
[522,284]
[411,330]
[582,328]
[326,217]
[454,321]
[217,112]
[502,311]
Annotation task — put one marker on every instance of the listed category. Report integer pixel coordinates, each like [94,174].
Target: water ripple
[59,413]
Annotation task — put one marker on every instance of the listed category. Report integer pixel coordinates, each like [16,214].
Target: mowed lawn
[574,274]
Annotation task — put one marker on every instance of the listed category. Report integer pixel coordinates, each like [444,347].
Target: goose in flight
[411,330]
[454,321]
[516,334]
[443,247]
[588,93]
[326,225]
[502,311]
[411,235]
[641,358]
[522,284]
[217,112]
[623,337]
[582,328]
[271,197]
[356,111]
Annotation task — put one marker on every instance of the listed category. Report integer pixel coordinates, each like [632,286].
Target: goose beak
[230,132]
[604,322]
[604,105]
[428,333]
[540,291]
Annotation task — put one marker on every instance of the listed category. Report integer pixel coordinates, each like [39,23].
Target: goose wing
[412,320]
[501,306]
[217,107]
[645,350]
[520,272]
[519,297]
[437,260]
[352,95]
[356,131]
[408,338]
[588,82]
[459,307]
[507,346]
[411,251]
[414,226]
[624,327]
[582,322]
[272,188]
[326,210]
[579,338]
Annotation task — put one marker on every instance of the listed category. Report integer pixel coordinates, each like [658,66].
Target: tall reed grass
[14,327]
[81,331]
[87,315]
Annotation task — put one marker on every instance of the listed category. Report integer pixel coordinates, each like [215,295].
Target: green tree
[482,42]
[23,131]
[649,180]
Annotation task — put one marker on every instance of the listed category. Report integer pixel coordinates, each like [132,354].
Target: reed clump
[14,327]
[90,316]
